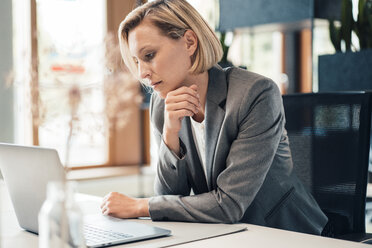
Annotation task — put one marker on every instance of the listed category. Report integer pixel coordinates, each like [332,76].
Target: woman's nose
[143,70]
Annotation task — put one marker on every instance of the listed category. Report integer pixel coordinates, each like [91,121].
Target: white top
[198,132]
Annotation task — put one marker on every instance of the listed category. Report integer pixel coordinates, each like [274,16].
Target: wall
[6,60]
[126,143]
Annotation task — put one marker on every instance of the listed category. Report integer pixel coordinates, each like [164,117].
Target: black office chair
[329,139]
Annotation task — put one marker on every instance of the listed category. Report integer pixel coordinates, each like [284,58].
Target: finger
[103,204]
[105,212]
[105,198]
[183,90]
[194,87]
[182,105]
[179,114]
[183,98]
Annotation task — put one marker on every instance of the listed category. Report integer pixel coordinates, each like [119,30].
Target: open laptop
[27,170]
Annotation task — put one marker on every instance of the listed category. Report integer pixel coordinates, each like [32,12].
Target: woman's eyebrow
[142,48]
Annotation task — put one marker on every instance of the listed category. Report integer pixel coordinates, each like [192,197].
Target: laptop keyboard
[95,235]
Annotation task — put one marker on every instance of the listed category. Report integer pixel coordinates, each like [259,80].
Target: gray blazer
[248,162]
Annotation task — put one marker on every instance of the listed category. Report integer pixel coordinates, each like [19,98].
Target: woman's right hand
[179,103]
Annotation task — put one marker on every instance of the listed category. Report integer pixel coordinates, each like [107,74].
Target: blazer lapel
[195,170]
[215,113]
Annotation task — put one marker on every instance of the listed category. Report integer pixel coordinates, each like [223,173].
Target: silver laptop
[27,170]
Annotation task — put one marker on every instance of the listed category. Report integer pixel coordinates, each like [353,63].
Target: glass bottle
[60,218]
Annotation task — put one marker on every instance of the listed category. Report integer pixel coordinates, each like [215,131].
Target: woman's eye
[135,60]
[149,56]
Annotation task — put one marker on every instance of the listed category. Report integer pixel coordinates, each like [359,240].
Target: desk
[13,236]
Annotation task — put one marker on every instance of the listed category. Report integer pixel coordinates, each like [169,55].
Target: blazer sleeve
[171,176]
[261,124]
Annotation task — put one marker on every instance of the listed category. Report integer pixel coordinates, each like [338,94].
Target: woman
[220,132]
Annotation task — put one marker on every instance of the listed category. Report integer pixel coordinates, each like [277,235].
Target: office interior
[52,50]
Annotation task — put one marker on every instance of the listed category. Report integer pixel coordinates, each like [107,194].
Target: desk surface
[255,236]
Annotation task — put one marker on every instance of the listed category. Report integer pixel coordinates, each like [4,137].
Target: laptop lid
[26,171]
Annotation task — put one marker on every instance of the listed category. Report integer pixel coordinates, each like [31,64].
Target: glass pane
[71,56]
[321,45]
[209,9]
[258,52]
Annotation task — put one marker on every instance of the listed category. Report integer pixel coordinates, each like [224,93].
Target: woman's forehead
[146,34]
[144,29]
[142,34]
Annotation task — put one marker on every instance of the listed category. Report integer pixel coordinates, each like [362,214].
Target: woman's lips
[154,84]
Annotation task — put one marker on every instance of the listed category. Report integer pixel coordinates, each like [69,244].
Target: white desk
[12,236]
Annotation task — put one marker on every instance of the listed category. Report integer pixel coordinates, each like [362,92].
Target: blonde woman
[220,132]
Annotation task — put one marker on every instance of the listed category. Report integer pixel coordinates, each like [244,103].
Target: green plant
[362,26]
[225,48]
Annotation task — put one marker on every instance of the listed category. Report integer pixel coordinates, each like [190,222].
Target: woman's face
[163,61]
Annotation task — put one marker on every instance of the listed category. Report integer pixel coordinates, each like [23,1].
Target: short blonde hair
[173,18]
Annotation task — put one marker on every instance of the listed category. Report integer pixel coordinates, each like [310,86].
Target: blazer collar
[217,85]
[215,113]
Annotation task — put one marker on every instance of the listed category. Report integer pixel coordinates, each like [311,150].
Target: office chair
[329,135]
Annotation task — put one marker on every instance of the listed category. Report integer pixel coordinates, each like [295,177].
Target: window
[68,49]
[321,45]
[209,9]
[259,52]
[71,52]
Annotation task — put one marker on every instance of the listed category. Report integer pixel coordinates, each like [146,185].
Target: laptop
[28,169]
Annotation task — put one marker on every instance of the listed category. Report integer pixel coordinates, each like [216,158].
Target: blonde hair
[173,18]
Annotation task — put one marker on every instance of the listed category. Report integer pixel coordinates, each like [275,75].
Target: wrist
[172,141]
[169,134]
[143,207]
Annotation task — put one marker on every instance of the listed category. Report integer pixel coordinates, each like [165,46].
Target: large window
[71,52]
[69,76]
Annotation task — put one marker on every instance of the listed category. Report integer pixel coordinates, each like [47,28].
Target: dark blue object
[249,13]
[345,71]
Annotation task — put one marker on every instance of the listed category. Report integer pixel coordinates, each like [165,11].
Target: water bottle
[60,218]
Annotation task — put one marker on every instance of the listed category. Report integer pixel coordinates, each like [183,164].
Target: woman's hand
[184,101]
[122,206]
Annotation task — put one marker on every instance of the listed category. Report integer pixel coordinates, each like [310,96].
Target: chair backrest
[329,135]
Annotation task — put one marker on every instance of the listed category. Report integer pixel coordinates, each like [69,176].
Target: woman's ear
[191,41]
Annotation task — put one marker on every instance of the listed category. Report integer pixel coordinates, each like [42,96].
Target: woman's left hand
[122,206]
